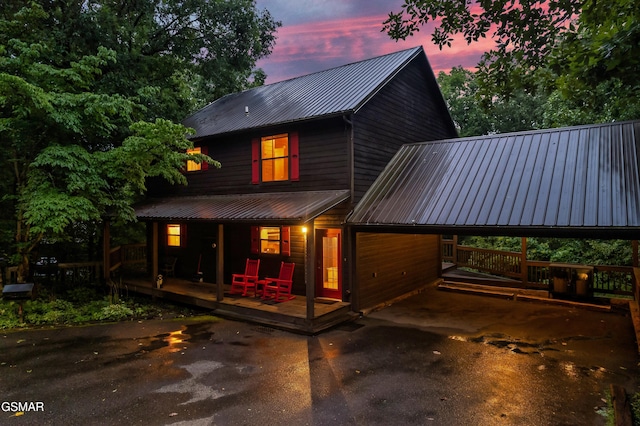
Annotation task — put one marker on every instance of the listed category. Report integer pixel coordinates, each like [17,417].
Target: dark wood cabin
[296,157]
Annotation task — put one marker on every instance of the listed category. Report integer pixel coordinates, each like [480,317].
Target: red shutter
[295,162]
[204,150]
[255,239]
[285,243]
[255,161]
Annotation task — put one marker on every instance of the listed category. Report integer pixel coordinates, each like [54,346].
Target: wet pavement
[436,358]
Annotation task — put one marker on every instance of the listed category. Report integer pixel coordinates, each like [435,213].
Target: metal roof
[528,183]
[289,207]
[333,91]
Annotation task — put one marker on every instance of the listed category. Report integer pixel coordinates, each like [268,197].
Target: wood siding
[408,109]
[323,163]
[238,248]
[390,265]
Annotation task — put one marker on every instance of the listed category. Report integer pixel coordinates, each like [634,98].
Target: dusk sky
[321,34]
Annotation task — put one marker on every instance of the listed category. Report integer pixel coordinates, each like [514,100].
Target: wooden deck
[290,315]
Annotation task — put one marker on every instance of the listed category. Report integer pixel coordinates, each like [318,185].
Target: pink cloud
[305,48]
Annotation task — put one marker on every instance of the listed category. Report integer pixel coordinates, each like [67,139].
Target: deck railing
[127,255]
[608,281]
[496,262]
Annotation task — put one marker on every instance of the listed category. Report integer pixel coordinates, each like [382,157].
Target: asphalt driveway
[436,358]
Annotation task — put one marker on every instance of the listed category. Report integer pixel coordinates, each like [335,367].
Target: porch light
[304,229]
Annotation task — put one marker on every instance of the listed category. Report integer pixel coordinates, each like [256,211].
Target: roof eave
[255,129]
[607,233]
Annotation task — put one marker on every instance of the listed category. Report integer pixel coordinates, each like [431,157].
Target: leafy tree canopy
[90,91]
[582,54]
[524,31]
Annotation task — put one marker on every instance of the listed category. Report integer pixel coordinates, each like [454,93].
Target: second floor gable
[334,129]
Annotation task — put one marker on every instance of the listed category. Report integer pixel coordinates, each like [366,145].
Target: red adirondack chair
[279,289]
[240,283]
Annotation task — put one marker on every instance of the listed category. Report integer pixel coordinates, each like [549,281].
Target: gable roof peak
[333,91]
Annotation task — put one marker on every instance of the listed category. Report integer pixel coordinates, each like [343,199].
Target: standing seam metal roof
[289,207]
[333,91]
[566,178]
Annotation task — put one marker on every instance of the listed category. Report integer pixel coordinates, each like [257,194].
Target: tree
[524,32]
[475,114]
[89,92]
[581,54]
[594,66]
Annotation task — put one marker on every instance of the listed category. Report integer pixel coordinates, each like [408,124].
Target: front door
[328,264]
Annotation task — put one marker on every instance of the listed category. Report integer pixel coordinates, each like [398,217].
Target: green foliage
[635,408]
[607,411]
[476,114]
[554,63]
[113,312]
[82,305]
[89,95]
[562,250]
[524,33]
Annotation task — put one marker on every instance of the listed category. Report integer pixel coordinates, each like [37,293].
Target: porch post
[524,268]
[309,269]
[154,252]
[106,250]
[220,263]
[440,256]
[454,253]
[634,244]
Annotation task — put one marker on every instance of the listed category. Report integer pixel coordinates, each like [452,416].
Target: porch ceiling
[286,207]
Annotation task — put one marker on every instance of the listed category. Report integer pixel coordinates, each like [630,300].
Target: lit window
[275,158]
[173,235]
[192,166]
[270,240]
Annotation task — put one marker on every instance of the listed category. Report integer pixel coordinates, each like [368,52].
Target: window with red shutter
[275,158]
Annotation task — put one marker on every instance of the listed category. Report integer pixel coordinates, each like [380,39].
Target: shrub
[113,312]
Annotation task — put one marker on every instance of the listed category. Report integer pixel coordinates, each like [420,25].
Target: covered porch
[290,315]
[218,233]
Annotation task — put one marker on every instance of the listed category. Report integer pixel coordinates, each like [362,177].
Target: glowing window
[192,166]
[270,240]
[173,235]
[275,158]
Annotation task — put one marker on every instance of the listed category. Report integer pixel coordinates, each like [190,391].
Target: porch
[290,315]
[513,269]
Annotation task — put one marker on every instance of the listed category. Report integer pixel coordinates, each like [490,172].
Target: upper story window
[192,166]
[274,152]
[275,158]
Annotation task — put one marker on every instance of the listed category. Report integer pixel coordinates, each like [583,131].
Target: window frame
[284,242]
[272,163]
[293,166]
[172,235]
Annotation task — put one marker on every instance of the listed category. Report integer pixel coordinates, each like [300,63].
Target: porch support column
[634,244]
[309,269]
[524,268]
[220,263]
[106,250]
[154,252]
[455,250]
